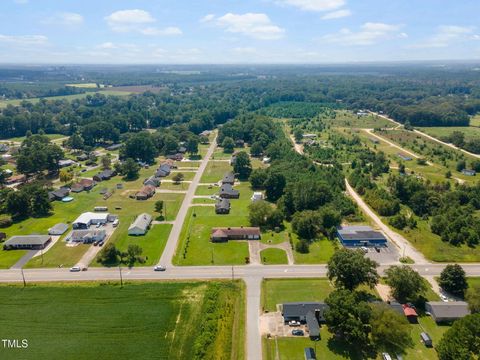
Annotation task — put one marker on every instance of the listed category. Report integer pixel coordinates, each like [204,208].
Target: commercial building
[360,236]
[141,225]
[27,242]
[87,219]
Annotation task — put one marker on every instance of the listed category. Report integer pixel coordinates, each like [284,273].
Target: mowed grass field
[470,132]
[273,256]
[345,118]
[164,320]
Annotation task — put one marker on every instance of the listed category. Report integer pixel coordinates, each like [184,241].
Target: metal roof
[359,233]
[451,309]
[59,228]
[142,222]
[27,240]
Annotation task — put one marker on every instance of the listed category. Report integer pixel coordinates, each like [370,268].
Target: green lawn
[274,238]
[473,281]
[470,132]
[345,118]
[214,171]
[206,190]
[203,201]
[187,175]
[320,251]
[10,258]
[21,138]
[164,320]
[59,255]
[152,243]
[273,256]
[279,291]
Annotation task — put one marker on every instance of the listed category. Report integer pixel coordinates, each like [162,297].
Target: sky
[237,31]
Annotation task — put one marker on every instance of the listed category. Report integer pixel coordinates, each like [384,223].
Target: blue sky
[237,31]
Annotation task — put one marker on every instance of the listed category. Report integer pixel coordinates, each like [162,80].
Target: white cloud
[24,40]
[207,18]
[314,5]
[255,25]
[137,20]
[369,34]
[64,18]
[448,34]
[337,14]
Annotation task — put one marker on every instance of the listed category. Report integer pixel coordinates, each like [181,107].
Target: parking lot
[272,324]
[383,255]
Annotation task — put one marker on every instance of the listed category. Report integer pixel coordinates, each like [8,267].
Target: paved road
[171,246]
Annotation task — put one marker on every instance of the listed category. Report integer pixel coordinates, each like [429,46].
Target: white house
[141,225]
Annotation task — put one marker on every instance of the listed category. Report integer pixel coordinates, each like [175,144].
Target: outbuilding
[309,354]
[141,225]
[450,311]
[58,229]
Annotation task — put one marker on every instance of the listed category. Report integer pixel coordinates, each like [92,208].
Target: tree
[274,186]
[242,165]
[390,330]
[106,161]
[298,135]
[140,146]
[461,341]
[258,213]
[350,268]
[406,284]
[192,145]
[133,253]
[76,142]
[178,178]
[257,178]
[473,298]
[256,149]
[306,224]
[108,255]
[461,164]
[453,280]
[228,145]
[348,316]
[129,169]
[159,207]
[65,176]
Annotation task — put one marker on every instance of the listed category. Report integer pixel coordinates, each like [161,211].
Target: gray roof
[296,309]
[222,204]
[448,310]
[228,189]
[312,323]
[142,222]
[58,228]
[27,240]
[359,233]
[228,178]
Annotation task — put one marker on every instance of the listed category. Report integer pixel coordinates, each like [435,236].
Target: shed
[469,172]
[309,354]
[58,229]
[141,225]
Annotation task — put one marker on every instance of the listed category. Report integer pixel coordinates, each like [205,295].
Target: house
[222,206]
[205,133]
[257,195]
[360,236]
[163,171]
[309,136]
[447,311]
[4,148]
[469,172]
[404,157]
[27,242]
[146,193]
[236,233]
[309,354]
[141,225]
[87,219]
[58,194]
[228,178]
[177,157]
[310,313]
[83,185]
[58,229]
[266,160]
[113,147]
[106,174]
[152,181]
[66,162]
[15,179]
[82,157]
[182,149]
[87,236]
[410,313]
[228,192]
[170,163]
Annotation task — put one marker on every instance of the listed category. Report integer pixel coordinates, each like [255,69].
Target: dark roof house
[153,181]
[228,192]
[311,313]
[147,192]
[447,311]
[222,206]
[31,242]
[106,174]
[235,233]
[58,194]
[228,178]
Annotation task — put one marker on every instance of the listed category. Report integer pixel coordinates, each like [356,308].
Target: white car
[293,323]
[75,269]
[159,268]
[364,249]
[444,298]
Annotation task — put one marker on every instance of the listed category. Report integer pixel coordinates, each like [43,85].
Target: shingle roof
[451,309]
[142,222]
[236,231]
[222,204]
[27,240]
[228,178]
[228,189]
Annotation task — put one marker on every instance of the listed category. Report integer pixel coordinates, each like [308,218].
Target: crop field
[167,320]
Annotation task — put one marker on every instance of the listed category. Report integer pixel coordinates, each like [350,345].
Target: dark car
[298,332]
[377,249]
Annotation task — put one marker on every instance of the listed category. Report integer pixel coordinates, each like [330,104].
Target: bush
[5,221]
[302,247]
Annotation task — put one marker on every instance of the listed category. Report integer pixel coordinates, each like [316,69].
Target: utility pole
[121,279]
[233,276]
[23,277]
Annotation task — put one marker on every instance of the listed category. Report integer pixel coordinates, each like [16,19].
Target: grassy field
[473,281]
[157,320]
[214,171]
[21,138]
[278,291]
[273,256]
[470,132]
[10,258]
[347,119]
[16,102]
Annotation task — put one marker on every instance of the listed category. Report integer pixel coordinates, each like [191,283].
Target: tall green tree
[406,284]
[350,268]
[242,165]
[453,280]
[462,340]
[228,145]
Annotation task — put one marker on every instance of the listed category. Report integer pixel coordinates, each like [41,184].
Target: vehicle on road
[84,268]
[159,268]
[75,269]
[293,323]
[297,332]
[100,243]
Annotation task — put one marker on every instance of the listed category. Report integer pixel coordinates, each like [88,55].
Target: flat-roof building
[360,236]
[87,219]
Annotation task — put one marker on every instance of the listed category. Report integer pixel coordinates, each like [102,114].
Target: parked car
[75,269]
[297,332]
[84,268]
[377,249]
[444,298]
[100,243]
[364,249]
[386,356]
[159,268]
[293,323]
